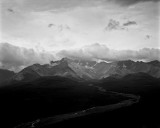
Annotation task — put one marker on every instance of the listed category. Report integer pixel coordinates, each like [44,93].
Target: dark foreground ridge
[46,122]
[60,101]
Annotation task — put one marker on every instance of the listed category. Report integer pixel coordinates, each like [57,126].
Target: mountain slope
[131,83]
[5,75]
[48,96]
[88,70]
[59,68]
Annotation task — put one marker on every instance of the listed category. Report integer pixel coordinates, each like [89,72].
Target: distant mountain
[5,75]
[136,83]
[155,63]
[57,68]
[88,70]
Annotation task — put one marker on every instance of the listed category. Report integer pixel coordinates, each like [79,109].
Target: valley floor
[46,122]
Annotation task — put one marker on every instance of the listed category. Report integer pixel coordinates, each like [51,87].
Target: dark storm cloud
[15,58]
[63,4]
[131,2]
[55,5]
[130,23]
[98,51]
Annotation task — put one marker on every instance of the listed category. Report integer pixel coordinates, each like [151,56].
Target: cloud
[98,51]
[41,5]
[130,23]
[32,23]
[56,5]
[11,10]
[147,36]
[15,58]
[60,27]
[113,25]
[51,25]
[131,2]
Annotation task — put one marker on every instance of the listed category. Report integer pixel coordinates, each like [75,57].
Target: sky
[46,30]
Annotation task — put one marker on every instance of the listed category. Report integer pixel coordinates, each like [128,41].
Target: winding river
[97,109]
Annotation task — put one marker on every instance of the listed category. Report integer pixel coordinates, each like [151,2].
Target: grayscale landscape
[79,63]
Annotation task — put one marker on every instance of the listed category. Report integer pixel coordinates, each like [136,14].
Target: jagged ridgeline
[88,70]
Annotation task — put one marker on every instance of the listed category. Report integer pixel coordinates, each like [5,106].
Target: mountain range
[40,91]
[88,70]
